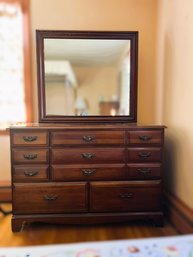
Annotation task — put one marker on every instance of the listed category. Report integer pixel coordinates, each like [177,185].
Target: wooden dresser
[83,174]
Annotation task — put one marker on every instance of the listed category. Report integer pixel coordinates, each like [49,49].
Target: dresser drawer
[32,138]
[144,171]
[29,173]
[30,155]
[49,198]
[88,137]
[87,155]
[125,196]
[88,172]
[145,137]
[151,154]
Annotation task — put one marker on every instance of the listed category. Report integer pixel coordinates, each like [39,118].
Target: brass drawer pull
[50,197]
[30,138]
[145,138]
[30,173]
[88,172]
[144,172]
[126,195]
[30,156]
[144,155]
[88,155]
[88,138]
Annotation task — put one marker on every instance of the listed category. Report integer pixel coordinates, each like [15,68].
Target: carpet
[181,246]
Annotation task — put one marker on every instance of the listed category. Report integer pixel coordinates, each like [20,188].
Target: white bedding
[181,246]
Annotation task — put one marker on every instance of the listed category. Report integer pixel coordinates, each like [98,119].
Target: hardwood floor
[42,234]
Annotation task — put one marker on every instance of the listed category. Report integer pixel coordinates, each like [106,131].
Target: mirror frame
[73,34]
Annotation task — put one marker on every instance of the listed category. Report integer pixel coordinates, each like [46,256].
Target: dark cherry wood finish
[83,174]
[88,138]
[50,198]
[88,172]
[125,196]
[28,173]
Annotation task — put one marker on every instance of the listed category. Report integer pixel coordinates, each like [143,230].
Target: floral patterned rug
[181,246]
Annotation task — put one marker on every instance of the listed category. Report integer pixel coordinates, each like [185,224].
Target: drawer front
[146,137]
[144,171]
[49,198]
[144,154]
[30,156]
[88,138]
[32,138]
[87,155]
[125,196]
[88,172]
[29,173]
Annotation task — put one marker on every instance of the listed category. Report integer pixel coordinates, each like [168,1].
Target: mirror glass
[87,74]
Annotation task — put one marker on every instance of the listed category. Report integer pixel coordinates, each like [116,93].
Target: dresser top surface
[84,126]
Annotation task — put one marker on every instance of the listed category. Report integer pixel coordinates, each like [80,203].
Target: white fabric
[181,246]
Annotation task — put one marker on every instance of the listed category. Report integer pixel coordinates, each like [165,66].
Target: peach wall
[97,83]
[136,15]
[174,93]
[4,157]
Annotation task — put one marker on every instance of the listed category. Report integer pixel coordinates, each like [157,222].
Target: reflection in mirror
[87,77]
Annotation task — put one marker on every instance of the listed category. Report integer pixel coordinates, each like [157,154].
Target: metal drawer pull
[30,138]
[88,172]
[30,173]
[126,195]
[144,155]
[88,138]
[50,197]
[145,138]
[144,172]
[88,155]
[30,156]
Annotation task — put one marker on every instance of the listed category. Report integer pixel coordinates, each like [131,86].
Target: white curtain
[12,102]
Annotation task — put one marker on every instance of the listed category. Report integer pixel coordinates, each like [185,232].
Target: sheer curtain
[12,97]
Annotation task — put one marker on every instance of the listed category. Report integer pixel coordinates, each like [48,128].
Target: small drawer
[145,137]
[88,137]
[30,156]
[125,196]
[29,173]
[31,198]
[151,154]
[87,155]
[33,138]
[144,171]
[88,172]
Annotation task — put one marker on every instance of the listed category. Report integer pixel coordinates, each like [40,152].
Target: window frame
[25,7]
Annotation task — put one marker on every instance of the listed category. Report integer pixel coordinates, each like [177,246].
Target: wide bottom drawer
[49,198]
[125,196]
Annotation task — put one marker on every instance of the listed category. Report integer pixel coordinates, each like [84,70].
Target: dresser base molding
[19,222]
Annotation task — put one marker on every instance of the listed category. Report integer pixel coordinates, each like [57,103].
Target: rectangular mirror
[87,76]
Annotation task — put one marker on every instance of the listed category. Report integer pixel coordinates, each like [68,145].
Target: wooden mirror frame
[60,34]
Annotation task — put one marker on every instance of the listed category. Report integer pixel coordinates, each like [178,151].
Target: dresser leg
[4,212]
[18,225]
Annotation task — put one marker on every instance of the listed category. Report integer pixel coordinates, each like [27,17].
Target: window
[14,63]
